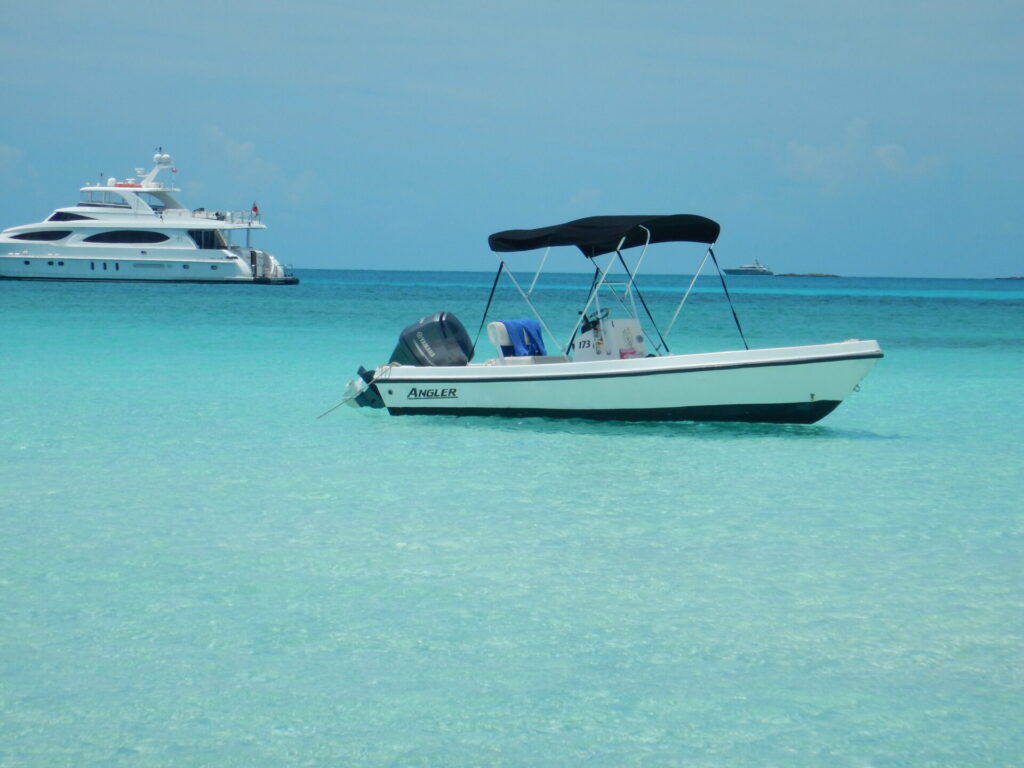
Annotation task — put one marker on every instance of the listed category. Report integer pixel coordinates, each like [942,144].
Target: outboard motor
[439,339]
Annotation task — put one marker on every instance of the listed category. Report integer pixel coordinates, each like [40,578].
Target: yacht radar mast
[161,160]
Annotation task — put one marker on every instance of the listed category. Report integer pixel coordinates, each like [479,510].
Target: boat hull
[774,413]
[785,385]
[123,267]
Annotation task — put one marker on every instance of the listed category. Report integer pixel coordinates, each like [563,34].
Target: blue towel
[526,337]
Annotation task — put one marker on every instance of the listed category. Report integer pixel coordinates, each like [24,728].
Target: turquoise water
[196,571]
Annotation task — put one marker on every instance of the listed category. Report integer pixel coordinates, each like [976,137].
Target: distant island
[804,274]
[1015,277]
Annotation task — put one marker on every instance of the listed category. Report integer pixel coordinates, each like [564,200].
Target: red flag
[255,210]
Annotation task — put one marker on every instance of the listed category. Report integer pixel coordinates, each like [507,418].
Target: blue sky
[860,138]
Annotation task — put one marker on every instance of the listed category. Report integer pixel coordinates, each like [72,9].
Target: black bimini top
[597,235]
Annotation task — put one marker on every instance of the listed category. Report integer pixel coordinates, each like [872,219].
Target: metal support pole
[687,294]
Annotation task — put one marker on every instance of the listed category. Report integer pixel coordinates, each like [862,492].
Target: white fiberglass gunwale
[496,370]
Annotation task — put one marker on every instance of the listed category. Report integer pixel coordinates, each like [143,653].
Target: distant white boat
[135,230]
[608,368]
[757,268]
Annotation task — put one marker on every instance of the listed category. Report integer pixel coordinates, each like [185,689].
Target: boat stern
[362,391]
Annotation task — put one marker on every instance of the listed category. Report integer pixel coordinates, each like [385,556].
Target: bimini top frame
[600,235]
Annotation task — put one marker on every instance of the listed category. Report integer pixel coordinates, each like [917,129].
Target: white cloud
[586,196]
[894,159]
[246,165]
[248,171]
[15,173]
[10,157]
[853,158]
[302,187]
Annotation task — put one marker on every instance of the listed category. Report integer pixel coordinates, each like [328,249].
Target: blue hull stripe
[773,413]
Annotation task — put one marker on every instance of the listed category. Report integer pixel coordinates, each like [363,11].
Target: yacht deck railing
[228,217]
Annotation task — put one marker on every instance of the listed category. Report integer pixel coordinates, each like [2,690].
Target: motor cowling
[438,339]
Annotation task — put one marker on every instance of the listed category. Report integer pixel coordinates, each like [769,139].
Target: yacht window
[94,197]
[65,216]
[208,239]
[127,236]
[159,201]
[45,235]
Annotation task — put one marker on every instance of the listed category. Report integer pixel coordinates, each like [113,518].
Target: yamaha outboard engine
[439,339]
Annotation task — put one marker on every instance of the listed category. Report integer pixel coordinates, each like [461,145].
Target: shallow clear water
[197,571]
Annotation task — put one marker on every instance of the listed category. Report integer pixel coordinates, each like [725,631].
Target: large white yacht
[135,229]
[757,268]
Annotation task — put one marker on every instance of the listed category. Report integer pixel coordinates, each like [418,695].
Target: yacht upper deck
[144,196]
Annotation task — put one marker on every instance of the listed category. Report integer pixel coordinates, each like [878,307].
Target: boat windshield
[107,198]
[159,201]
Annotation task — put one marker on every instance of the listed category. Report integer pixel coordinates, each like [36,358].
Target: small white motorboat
[609,367]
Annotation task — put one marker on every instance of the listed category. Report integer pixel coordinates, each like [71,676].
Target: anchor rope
[357,392]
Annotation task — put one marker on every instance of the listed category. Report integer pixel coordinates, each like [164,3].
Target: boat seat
[516,338]
[498,335]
